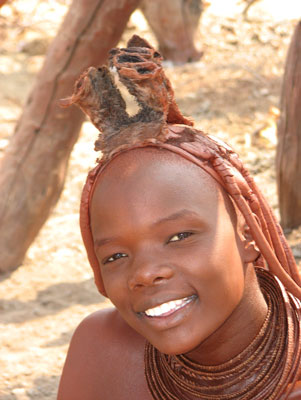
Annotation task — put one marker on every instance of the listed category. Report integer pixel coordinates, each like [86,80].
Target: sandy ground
[233,92]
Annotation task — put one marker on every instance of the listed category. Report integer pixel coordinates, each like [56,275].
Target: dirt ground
[233,92]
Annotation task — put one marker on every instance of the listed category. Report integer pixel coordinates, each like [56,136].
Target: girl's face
[170,255]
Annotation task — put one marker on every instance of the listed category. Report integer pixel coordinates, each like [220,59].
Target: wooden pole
[174,23]
[33,168]
[288,160]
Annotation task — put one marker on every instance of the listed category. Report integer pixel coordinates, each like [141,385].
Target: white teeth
[164,308]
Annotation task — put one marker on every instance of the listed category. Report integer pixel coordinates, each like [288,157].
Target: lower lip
[172,315]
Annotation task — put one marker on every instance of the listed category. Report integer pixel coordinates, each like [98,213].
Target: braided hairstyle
[159,123]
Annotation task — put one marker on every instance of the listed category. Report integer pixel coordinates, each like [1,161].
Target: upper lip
[153,304]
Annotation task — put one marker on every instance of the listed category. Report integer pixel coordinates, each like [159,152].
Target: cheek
[221,280]
[115,286]
[228,264]
[219,295]
[225,293]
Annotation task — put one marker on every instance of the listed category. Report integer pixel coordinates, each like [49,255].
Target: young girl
[205,288]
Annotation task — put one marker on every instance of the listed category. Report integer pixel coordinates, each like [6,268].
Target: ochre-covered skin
[150,172]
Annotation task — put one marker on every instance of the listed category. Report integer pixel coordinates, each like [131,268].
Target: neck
[238,330]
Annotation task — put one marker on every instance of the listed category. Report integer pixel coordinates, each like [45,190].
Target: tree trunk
[33,168]
[174,23]
[288,161]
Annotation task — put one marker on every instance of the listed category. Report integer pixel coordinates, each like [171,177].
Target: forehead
[155,178]
[138,166]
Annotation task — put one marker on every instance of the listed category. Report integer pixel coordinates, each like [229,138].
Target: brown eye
[114,257]
[180,236]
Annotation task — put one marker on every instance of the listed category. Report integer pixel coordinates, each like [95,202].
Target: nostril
[158,279]
[137,285]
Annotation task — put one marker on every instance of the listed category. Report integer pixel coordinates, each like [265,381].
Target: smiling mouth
[168,308]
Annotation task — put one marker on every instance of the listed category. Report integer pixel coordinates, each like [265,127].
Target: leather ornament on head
[159,123]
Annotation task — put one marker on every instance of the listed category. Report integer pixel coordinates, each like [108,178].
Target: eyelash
[117,256]
[181,235]
[114,257]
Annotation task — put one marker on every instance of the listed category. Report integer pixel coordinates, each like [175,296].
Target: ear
[250,250]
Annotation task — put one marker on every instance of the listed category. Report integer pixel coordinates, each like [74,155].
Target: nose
[149,271]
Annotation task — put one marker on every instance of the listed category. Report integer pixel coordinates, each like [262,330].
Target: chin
[175,346]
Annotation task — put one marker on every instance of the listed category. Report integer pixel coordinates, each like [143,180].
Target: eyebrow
[177,215]
[172,217]
[102,242]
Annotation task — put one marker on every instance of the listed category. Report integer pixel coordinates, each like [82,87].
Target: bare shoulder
[105,360]
[104,326]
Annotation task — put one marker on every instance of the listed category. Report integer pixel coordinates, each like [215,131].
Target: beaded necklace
[262,371]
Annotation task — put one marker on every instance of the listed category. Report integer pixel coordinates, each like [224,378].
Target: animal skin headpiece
[159,123]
